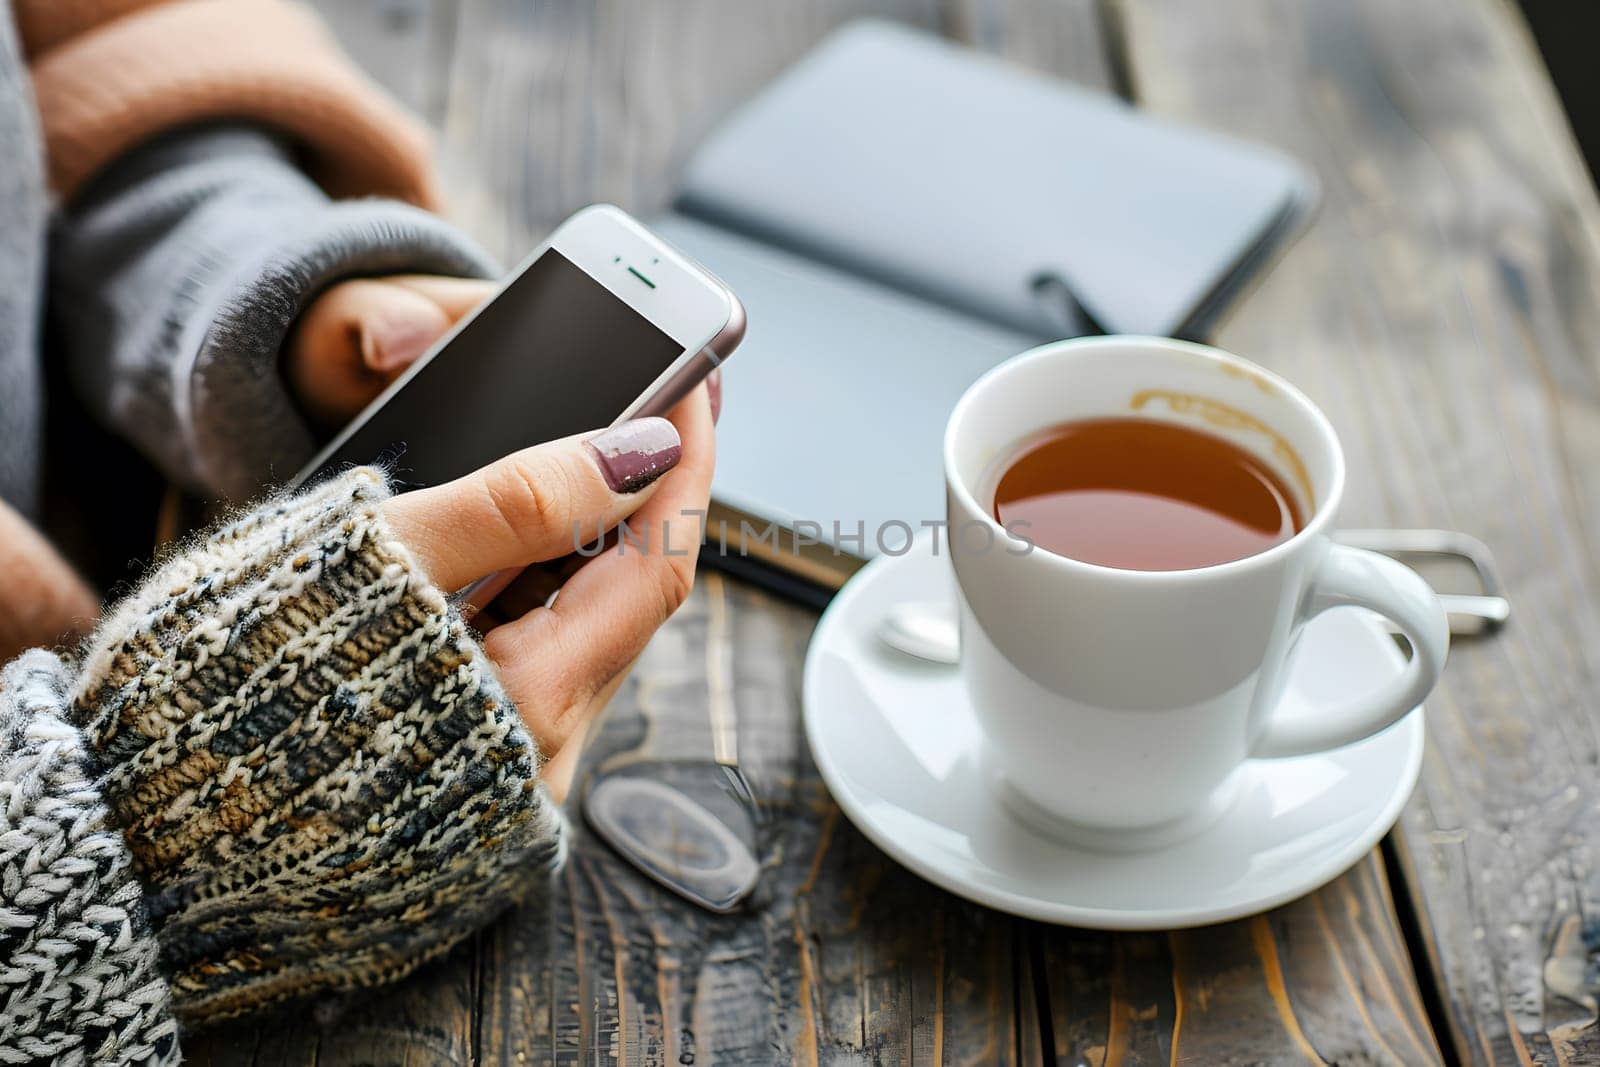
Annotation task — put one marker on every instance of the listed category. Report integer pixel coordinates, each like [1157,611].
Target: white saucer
[897,744]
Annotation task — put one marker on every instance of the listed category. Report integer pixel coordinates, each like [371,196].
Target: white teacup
[1116,705]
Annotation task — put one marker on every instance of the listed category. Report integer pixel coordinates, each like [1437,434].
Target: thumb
[353,340]
[395,325]
[455,296]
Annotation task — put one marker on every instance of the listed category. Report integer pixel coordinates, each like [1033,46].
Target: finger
[518,594]
[688,488]
[558,769]
[554,659]
[390,324]
[561,766]
[663,536]
[396,326]
[453,296]
[714,392]
[537,504]
[510,595]
[353,340]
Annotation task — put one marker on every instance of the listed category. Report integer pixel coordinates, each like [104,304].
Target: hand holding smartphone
[602,323]
[560,663]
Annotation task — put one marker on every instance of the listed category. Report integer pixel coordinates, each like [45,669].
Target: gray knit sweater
[280,767]
[168,286]
[175,278]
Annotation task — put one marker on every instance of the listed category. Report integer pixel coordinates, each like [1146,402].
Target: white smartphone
[604,322]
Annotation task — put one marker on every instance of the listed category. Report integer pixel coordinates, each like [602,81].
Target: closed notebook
[899,214]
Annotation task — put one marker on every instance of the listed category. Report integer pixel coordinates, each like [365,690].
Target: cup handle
[1354,576]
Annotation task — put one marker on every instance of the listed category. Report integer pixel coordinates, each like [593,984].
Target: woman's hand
[358,336]
[561,662]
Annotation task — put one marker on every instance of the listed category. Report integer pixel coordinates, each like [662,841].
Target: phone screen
[554,354]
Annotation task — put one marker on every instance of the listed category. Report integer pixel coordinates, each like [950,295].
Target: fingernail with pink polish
[635,454]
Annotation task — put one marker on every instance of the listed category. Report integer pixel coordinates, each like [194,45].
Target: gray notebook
[899,214]
[834,405]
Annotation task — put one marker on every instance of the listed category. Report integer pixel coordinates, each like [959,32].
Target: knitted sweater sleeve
[176,277]
[317,781]
[218,166]
[78,977]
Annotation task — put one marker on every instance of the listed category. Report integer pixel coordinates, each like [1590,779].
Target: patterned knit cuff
[319,777]
[78,975]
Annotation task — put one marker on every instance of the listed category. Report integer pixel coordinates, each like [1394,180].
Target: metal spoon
[924,630]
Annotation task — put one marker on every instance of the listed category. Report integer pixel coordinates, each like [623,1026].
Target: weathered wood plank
[1064,38]
[1443,310]
[406,45]
[845,957]
[557,105]
[841,957]
[1324,979]
[428,1021]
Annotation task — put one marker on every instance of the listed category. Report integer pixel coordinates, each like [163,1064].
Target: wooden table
[1443,309]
